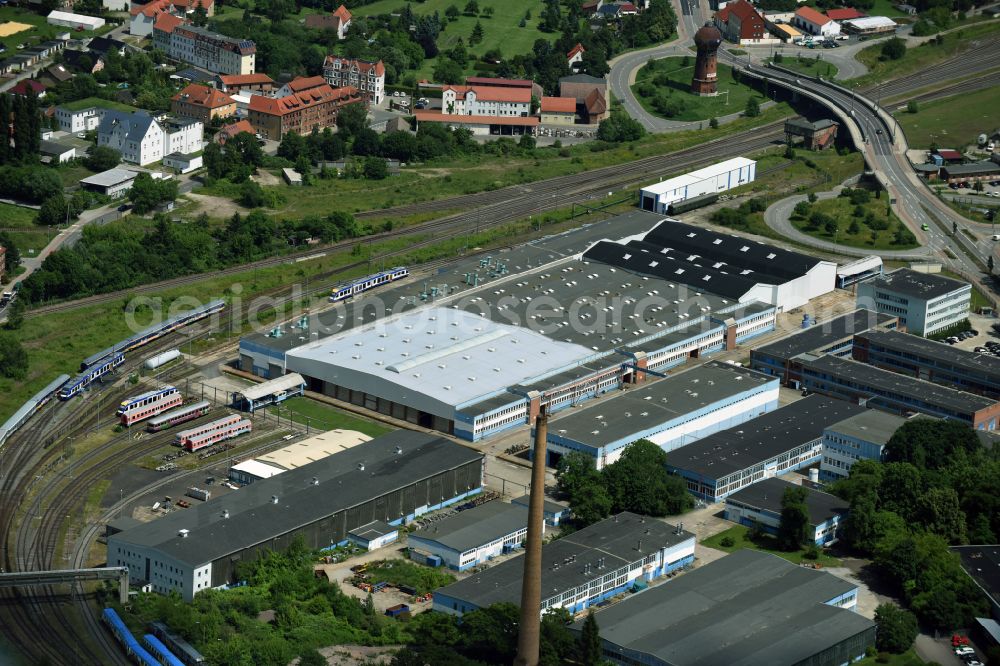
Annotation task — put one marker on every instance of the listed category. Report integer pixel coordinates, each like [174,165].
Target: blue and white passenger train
[350,289]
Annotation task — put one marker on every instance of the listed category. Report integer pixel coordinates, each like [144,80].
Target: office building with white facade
[760,504]
[473,536]
[485,100]
[860,437]
[709,180]
[141,139]
[623,552]
[670,412]
[925,303]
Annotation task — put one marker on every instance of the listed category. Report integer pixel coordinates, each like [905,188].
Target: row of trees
[120,255]
[638,482]
[937,488]
[24,115]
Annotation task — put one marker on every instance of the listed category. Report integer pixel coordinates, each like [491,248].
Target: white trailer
[709,180]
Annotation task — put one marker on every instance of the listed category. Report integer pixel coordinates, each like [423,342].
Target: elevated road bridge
[32,578]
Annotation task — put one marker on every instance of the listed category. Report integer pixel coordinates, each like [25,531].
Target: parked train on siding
[141,407]
[356,287]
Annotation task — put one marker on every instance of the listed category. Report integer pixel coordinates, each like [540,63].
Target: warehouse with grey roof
[745,609]
[392,478]
[473,536]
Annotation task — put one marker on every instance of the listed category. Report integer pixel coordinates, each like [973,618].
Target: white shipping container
[154,362]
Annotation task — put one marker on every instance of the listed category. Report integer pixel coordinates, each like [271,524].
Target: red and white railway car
[149,404]
[213,432]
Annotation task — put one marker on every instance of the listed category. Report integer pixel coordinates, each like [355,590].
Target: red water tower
[705,81]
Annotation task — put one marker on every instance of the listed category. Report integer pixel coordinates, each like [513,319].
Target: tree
[793,530]
[472,7]
[753,108]
[375,168]
[449,72]
[477,34]
[312,658]
[54,211]
[639,482]
[252,195]
[854,228]
[931,443]
[146,193]
[452,13]
[830,227]
[199,17]
[352,119]
[13,358]
[13,255]
[292,145]
[576,471]
[366,142]
[893,49]
[102,158]
[488,12]
[399,145]
[896,629]
[912,107]
[619,127]
[713,122]
[589,648]
[590,504]
[15,314]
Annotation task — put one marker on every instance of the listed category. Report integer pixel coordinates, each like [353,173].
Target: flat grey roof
[48,147]
[766,495]
[254,519]
[548,506]
[745,609]
[110,178]
[563,561]
[637,410]
[972,169]
[926,286]
[871,425]
[982,563]
[889,385]
[476,527]
[823,335]
[373,530]
[763,438]
[936,352]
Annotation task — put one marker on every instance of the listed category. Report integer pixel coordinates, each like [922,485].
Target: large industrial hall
[551,323]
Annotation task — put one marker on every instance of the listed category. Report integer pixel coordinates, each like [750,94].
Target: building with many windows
[202,103]
[205,49]
[924,303]
[931,360]
[484,100]
[833,336]
[861,383]
[760,504]
[859,437]
[141,139]
[472,537]
[315,107]
[671,413]
[744,609]
[781,441]
[393,479]
[367,77]
[623,552]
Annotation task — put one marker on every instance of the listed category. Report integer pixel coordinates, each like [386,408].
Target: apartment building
[368,77]
[486,101]
[299,112]
[203,48]
[141,139]
[202,103]
[924,303]
[143,17]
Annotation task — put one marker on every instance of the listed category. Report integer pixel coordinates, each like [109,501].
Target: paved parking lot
[984,325]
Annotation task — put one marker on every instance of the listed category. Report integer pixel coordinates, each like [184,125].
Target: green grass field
[842,210]
[908,658]
[886,8]
[671,78]
[88,102]
[920,57]
[320,416]
[937,122]
[810,65]
[41,31]
[20,224]
[768,544]
[499,32]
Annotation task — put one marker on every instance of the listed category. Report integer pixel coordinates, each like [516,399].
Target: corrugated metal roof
[284,383]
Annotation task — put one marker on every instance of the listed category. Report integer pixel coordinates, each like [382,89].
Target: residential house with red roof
[486,101]
[338,21]
[368,77]
[811,21]
[231,130]
[300,84]
[27,87]
[202,103]
[575,56]
[142,17]
[314,106]
[739,22]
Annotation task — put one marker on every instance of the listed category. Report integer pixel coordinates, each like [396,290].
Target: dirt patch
[265,178]
[214,206]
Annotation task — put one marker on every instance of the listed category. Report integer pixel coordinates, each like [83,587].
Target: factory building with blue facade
[620,553]
[670,412]
[760,504]
[784,440]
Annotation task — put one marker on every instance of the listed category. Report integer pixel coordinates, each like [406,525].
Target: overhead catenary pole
[531,586]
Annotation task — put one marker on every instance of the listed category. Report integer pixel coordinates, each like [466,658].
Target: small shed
[374,535]
[270,392]
[55,152]
[292,177]
[183,163]
[114,183]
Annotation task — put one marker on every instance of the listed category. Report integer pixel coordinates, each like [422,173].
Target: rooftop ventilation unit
[182,533]
[225,513]
[274,499]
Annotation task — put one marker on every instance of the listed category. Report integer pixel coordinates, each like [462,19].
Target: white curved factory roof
[289,381]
